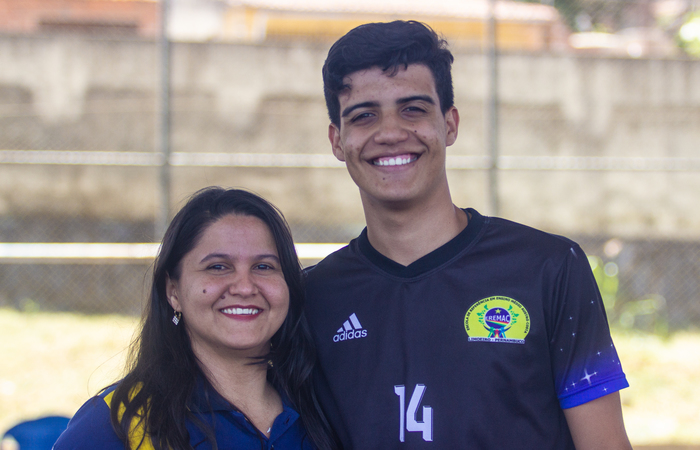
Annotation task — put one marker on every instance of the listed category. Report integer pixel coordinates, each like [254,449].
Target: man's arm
[598,425]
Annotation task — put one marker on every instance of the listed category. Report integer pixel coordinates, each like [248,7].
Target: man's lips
[397,160]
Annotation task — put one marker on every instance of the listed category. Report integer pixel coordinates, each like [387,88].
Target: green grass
[52,362]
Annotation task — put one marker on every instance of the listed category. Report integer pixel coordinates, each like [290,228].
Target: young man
[439,327]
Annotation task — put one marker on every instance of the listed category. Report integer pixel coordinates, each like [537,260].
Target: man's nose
[391,130]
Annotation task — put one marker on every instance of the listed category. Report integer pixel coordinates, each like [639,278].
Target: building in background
[521,26]
[137,18]
[625,28]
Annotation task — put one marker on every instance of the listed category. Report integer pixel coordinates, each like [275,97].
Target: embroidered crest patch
[497,319]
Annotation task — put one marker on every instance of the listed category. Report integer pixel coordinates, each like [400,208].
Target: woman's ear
[171,293]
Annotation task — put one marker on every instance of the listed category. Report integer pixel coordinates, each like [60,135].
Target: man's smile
[398,160]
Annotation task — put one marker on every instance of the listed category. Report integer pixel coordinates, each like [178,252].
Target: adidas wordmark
[351,329]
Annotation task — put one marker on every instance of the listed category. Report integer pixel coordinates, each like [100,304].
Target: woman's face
[231,290]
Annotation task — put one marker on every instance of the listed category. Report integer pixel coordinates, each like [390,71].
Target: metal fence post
[163,213]
[492,108]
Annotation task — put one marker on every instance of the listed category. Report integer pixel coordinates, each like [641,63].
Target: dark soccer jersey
[479,344]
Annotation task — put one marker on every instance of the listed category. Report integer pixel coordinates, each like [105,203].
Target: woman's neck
[243,383]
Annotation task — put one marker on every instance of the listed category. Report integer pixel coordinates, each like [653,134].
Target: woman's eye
[217,267]
[264,266]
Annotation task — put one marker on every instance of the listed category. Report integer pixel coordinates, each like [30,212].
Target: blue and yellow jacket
[91,428]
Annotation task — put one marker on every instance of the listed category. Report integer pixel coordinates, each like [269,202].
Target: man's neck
[404,235]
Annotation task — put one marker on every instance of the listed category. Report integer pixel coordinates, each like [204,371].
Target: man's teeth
[399,161]
[241,311]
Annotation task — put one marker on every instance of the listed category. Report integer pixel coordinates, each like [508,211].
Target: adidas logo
[351,329]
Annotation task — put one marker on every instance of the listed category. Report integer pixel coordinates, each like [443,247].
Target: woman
[224,356]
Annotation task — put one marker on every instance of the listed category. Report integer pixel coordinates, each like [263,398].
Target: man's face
[393,135]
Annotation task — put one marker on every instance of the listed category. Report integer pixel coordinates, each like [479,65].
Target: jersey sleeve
[585,363]
[90,428]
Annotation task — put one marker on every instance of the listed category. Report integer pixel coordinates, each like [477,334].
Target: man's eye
[411,109]
[361,117]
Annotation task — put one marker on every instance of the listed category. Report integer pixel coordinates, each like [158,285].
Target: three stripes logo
[351,329]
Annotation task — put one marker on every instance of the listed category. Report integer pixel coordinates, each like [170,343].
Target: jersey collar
[432,260]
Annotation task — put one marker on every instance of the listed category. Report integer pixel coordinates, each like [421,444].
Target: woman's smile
[231,289]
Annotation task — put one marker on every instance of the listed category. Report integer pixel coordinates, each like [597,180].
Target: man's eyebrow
[401,101]
[413,98]
[349,109]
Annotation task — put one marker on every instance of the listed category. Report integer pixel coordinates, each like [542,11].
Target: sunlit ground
[52,362]
[662,404]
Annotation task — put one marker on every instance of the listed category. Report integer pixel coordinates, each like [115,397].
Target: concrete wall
[64,93]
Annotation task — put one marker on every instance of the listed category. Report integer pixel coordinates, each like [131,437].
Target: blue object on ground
[38,434]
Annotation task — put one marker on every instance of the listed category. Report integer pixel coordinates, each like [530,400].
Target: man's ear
[334,137]
[452,124]
[171,293]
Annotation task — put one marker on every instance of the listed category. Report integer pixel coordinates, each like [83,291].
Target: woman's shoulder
[90,424]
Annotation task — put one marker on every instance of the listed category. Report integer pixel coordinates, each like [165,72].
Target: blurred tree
[569,9]
[688,37]
[601,15]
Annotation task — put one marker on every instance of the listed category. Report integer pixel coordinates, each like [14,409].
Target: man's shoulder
[529,236]
[338,274]
[335,261]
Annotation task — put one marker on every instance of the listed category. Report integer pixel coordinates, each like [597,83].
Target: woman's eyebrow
[211,256]
[268,256]
[214,256]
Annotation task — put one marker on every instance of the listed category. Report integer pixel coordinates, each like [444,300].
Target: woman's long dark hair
[163,370]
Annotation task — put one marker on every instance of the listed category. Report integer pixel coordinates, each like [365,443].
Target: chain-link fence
[592,133]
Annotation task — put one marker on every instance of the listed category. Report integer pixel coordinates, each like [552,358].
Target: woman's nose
[242,284]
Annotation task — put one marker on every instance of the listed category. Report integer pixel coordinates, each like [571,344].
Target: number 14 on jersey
[407,416]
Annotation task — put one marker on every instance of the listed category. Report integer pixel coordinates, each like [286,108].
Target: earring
[177,317]
[269,363]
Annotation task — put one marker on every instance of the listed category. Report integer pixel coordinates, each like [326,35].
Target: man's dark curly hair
[389,46]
